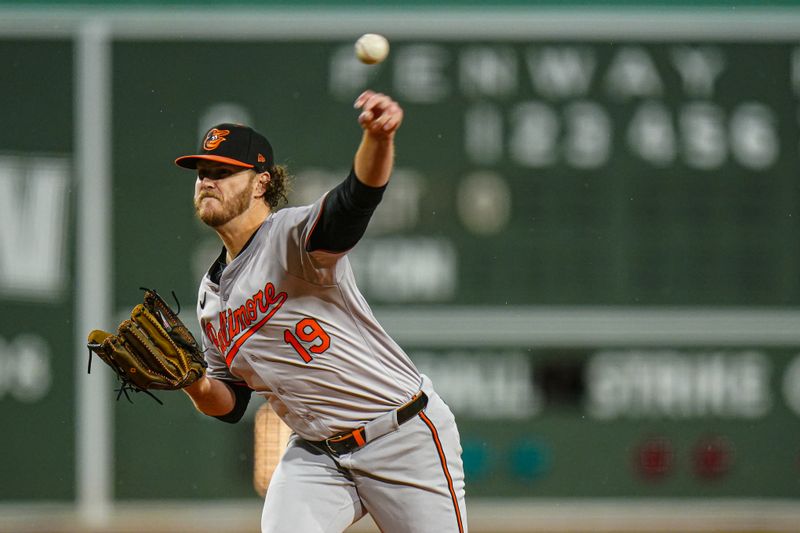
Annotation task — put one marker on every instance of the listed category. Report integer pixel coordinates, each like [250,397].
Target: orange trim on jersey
[443,459]
[255,327]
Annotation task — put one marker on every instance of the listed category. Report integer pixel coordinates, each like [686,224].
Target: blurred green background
[590,242]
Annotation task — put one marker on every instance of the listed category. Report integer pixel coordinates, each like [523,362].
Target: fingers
[152,329]
[97,336]
[363,97]
[380,114]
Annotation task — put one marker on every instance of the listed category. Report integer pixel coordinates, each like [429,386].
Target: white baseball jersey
[293,326]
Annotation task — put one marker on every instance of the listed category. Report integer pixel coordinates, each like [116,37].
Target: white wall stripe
[93,292]
[591,326]
[436,24]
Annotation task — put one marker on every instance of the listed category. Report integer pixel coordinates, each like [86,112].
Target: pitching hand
[380,114]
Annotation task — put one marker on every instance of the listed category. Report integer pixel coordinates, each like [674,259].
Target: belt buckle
[330,448]
[333,440]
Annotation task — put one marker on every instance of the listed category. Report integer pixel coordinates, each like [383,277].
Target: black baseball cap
[232,144]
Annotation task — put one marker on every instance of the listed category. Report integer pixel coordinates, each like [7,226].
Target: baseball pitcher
[281,316]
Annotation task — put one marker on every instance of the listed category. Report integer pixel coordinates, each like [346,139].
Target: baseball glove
[151,350]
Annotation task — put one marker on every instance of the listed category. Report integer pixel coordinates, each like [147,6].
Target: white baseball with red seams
[372,48]
[293,325]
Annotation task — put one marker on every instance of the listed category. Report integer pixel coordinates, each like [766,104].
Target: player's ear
[262,180]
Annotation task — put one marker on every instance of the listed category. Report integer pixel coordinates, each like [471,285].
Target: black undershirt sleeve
[346,212]
[241,393]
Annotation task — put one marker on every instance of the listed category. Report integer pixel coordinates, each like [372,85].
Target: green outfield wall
[590,241]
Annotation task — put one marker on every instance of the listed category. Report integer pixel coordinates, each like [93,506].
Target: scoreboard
[529,173]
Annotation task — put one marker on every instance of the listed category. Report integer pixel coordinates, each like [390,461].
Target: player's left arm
[348,208]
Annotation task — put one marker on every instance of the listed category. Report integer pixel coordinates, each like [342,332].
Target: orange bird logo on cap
[215,138]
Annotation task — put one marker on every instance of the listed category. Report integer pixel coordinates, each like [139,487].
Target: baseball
[372,48]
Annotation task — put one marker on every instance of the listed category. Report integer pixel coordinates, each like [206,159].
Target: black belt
[347,442]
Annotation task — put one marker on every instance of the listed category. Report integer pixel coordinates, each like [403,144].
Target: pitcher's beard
[218,217]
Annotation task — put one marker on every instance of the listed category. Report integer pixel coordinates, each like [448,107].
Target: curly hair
[278,187]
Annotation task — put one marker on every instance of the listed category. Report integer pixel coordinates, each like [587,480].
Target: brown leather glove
[151,350]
